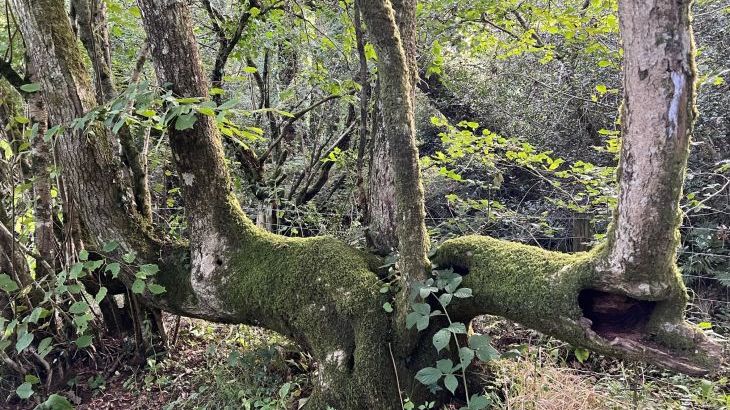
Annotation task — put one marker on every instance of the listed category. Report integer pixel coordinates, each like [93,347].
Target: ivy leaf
[429,375]
[23,342]
[387,307]
[84,255]
[138,286]
[451,383]
[445,299]
[24,391]
[441,339]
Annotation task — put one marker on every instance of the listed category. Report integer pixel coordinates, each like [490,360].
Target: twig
[397,380]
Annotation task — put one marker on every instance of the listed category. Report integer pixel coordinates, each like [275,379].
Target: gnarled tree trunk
[324,294]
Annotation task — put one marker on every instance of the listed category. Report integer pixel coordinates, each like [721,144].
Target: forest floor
[215,366]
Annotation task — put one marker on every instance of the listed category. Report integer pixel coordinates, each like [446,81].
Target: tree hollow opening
[613,315]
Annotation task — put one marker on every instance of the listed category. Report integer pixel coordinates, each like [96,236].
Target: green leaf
[55,402]
[185,122]
[457,328]
[478,402]
[149,269]
[445,366]
[44,347]
[441,339]
[463,293]
[24,391]
[93,265]
[110,246]
[206,111]
[228,105]
[100,295]
[113,268]
[483,348]
[7,149]
[84,255]
[601,88]
[138,286]
[76,271]
[412,319]
[156,289]
[426,290]
[35,315]
[422,308]
[31,378]
[429,375]
[705,325]
[23,342]
[129,257]
[84,341]
[284,390]
[422,322]
[79,308]
[387,307]
[216,91]
[466,355]
[451,383]
[30,88]
[445,299]
[581,354]
[7,283]
[249,70]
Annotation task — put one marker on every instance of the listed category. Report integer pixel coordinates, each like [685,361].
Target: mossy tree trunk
[324,294]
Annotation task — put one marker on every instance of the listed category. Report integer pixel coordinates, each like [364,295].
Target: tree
[623,298]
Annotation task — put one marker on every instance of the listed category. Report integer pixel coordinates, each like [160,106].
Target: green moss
[540,289]
[323,294]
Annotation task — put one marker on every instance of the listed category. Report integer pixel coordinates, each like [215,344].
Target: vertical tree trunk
[656,124]
[382,230]
[45,237]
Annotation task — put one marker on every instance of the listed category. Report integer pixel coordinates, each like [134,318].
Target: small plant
[441,291]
